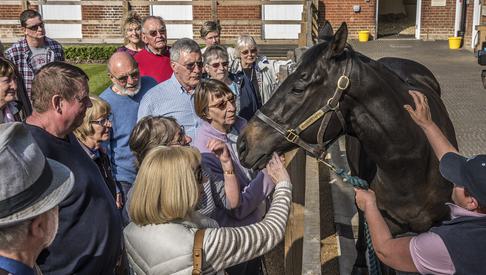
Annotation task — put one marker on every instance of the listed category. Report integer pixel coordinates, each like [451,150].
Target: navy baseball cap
[466,172]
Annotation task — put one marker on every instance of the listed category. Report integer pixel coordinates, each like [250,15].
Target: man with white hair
[124,97]
[31,188]
[174,97]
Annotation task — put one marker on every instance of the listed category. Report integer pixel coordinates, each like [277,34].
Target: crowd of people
[145,164]
[122,183]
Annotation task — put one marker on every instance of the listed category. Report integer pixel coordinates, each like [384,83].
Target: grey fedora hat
[30,184]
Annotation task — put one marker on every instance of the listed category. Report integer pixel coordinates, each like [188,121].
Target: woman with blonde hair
[166,191]
[96,129]
[132,30]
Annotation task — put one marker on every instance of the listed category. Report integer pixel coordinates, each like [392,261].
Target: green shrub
[89,54]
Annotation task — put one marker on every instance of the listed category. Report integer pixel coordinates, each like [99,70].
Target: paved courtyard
[459,76]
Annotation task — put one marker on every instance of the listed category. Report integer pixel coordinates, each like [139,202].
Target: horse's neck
[380,122]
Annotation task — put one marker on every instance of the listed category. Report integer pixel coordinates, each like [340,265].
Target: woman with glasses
[216,65]
[258,75]
[95,130]
[132,29]
[215,105]
[166,192]
[219,193]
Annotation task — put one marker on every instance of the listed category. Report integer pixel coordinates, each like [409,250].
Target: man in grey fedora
[31,187]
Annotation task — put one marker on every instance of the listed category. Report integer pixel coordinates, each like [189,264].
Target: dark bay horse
[391,152]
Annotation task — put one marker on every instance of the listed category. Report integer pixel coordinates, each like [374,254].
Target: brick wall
[338,11]
[103,21]
[437,22]
[11,12]
[109,27]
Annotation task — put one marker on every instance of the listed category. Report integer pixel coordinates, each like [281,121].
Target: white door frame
[377,15]
[476,20]
[418,21]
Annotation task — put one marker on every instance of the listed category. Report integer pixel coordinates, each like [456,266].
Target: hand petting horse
[336,91]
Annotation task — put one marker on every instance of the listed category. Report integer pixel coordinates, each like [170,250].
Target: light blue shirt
[169,99]
[124,110]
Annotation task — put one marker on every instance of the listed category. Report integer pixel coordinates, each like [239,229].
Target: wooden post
[311,254]
[214,10]
[25,4]
[295,225]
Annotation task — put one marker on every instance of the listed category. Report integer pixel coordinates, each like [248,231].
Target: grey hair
[214,52]
[185,45]
[12,237]
[244,41]
[152,17]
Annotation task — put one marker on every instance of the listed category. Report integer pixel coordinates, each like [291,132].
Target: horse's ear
[340,39]
[326,32]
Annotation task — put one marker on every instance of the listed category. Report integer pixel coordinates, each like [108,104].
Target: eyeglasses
[191,66]
[83,100]
[134,74]
[181,137]
[219,64]
[161,32]
[223,104]
[198,174]
[102,122]
[245,52]
[35,27]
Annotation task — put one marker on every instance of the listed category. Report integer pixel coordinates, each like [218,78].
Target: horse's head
[303,92]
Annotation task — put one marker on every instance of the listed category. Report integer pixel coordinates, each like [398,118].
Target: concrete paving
[464,96]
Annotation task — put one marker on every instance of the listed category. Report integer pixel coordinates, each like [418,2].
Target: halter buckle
[291,136]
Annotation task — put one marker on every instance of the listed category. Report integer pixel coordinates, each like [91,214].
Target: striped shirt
[171,100]
[227,246]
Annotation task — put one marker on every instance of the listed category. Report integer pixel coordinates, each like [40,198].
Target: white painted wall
[175,12]
[281,12]
[62,12]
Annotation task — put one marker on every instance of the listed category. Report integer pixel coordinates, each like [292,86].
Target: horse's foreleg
[360,266]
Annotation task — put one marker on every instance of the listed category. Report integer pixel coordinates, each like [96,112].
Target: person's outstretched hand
[365,199]
[276,169]
[421,115]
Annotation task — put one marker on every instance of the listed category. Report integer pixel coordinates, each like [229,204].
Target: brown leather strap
[198,252]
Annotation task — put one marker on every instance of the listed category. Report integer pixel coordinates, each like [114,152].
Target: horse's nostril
[241,146]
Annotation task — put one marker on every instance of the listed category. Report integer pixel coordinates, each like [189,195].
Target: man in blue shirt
[31,187]
[174,97]
[124,97]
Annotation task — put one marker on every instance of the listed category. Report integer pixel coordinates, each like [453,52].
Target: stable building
[271,22]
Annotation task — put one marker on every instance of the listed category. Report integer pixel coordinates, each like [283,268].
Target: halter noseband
[332,106]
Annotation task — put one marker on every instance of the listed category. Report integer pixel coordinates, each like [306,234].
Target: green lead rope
[357,182]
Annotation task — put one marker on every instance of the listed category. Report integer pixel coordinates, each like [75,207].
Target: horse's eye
[298,89]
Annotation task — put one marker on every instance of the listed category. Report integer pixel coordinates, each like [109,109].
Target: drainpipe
[457,23]
[462,29]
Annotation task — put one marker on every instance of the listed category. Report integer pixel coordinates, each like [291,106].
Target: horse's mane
[314,53]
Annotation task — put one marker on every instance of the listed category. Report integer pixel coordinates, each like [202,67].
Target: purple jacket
[255,187]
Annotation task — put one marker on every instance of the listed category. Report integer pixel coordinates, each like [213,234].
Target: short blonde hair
[99,109]
[166,187]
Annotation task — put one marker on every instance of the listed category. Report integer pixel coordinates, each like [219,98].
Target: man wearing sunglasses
[174,97]
[35,50]
[154,59]
[124,97]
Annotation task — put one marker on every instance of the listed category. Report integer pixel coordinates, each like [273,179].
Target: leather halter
[332,106]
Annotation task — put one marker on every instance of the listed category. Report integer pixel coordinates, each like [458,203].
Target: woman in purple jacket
[215,104]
